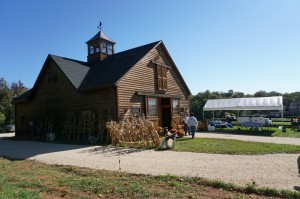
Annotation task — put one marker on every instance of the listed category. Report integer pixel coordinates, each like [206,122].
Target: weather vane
[100,26]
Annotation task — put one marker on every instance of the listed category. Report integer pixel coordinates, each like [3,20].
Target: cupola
[99,47]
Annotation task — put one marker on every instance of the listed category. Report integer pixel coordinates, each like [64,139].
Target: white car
[10,127]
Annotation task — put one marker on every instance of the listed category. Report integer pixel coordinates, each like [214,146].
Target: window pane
[136,110]
[96,47]
[109,48]
[104,47]
[175,107]
[152,107]
[91,49]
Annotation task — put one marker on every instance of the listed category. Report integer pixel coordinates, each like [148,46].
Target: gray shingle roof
[73,69]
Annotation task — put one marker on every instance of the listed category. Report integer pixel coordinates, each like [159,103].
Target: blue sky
[217,45]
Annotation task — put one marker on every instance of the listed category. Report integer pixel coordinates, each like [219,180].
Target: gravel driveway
[272,170]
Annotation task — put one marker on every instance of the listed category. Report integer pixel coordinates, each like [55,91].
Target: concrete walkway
[272,170]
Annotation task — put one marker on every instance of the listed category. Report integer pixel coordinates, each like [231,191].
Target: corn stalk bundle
[137,131]
[46,125]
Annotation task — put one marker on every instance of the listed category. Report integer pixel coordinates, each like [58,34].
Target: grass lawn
[29,180]
[227,146]
[272,131]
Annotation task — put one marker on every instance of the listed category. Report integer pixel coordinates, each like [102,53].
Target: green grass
[30,179]
[270,132]
[227,146]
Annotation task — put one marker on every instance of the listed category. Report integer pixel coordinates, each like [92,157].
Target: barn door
[165,116]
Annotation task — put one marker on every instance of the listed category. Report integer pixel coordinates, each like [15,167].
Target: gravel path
[273,170]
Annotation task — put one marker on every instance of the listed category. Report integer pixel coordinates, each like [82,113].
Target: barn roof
[105,73]
[73,69]
[85,76]
[113,67]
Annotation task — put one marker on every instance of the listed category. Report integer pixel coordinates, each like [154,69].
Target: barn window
[152,107]
[52,77]
[175,107]
[162,78]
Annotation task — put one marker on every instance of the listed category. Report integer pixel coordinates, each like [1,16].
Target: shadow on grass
[113,151]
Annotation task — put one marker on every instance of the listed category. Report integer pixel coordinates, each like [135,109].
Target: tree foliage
[7,93]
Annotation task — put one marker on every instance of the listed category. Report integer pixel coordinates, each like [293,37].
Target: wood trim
[149,94]
[158,63]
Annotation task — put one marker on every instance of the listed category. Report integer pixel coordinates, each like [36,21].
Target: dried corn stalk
[135,131]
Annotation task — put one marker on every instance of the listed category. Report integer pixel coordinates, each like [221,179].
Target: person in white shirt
[192,123]
[186,127]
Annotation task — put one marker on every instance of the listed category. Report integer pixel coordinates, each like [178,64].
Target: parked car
[10,128]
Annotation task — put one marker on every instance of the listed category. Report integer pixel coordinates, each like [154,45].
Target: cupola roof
[101,35]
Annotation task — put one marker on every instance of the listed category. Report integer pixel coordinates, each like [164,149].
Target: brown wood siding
[55,101]
[142,77]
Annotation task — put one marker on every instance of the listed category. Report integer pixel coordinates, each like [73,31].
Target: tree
[238,95]
[198,101]
[7,93]
[261,94]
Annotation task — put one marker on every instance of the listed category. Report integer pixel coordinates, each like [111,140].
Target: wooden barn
[71,95]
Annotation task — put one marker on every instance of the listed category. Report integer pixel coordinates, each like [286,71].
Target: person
[270,123]
[192,123]
[186,127]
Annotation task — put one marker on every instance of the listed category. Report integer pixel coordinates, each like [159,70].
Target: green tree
[7,93]
[261,94]
[238,95]
[198,101]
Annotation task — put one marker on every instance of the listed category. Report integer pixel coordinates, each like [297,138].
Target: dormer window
[104,50]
